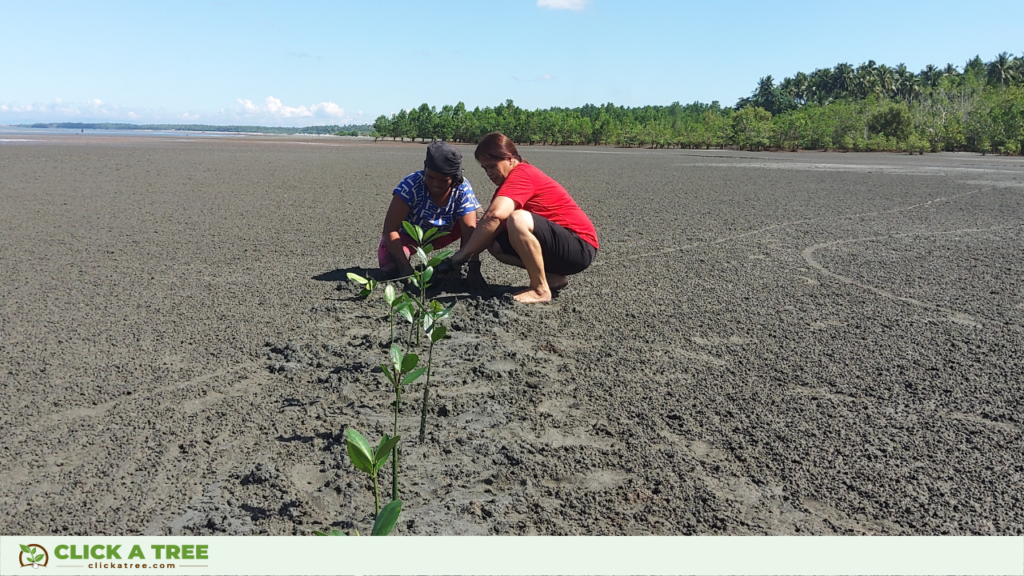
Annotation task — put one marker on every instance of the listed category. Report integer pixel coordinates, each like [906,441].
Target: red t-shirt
[537,193]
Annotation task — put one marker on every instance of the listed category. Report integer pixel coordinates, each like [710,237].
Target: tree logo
[33,555]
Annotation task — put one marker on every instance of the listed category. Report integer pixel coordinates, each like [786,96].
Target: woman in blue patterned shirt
[436,197]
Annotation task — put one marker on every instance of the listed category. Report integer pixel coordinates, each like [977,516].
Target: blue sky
[304,63]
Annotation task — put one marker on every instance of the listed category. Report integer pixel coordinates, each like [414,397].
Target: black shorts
[564,252]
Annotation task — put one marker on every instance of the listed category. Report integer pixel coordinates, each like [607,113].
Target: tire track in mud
[783,225]
[102,409]
[954,316]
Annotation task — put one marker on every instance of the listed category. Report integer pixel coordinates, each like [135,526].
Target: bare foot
[533,296]
[557,281]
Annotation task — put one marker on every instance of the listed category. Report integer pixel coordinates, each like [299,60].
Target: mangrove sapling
[370,459]
[422,274]
[402,371]
[368,284]
[434,332]
[382,525]
[396,302]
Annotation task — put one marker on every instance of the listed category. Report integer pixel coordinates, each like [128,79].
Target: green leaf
[430,234]
[365,292]
[412,231]
[387,373]
[27,550]
[371,284]
[359,451]
[428,322]
[439,333]
[439,257]
[412,376]
[440,233]
[396,358]
[357,278]
[421,255]
[334,532]
[406,312]
[384,450]
[387,518]
[409,362]
[427,274]
[38,558]
[389,294]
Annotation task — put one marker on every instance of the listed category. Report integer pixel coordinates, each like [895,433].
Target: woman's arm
[397,213]
[467,225]
[487,229]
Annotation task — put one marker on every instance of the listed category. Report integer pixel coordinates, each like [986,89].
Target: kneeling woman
[532,222]
[436,197]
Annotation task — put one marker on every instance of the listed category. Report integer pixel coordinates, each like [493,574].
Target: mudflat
[768,343]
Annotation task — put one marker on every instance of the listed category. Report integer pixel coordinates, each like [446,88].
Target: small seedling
[368,284]
[422,274]
[382,525]
[370,459]
[434,331]
[402,371]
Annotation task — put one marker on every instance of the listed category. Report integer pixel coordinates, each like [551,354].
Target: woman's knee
[520,221]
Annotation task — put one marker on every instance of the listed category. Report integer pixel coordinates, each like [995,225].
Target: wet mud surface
[767,344]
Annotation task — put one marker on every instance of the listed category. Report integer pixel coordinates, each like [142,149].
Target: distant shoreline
[362,129]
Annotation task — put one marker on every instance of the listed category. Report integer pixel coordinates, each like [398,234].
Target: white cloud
[187,116]
[60,111]
[574,5]
[546,77]
[274,110]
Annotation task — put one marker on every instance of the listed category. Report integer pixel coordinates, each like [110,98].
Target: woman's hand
[475,278]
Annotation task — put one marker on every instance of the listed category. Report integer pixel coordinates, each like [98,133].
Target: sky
[311,63]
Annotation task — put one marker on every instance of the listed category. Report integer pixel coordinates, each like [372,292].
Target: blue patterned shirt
[422,210]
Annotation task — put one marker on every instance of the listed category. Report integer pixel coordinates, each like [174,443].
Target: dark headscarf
[446,159]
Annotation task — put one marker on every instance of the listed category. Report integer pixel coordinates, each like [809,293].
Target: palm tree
[843,78]
[764,88]
[886,81]
[1000,70]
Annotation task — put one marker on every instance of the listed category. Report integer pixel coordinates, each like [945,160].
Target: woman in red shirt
[532,222]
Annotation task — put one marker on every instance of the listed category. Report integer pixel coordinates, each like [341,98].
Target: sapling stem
[376,497]
[426,394]
[394,455]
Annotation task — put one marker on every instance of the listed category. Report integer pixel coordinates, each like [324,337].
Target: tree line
[871,107]
[346,130]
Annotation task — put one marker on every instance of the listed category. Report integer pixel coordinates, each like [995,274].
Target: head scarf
[446,159]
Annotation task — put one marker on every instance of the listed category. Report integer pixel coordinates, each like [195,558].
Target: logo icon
[33,555]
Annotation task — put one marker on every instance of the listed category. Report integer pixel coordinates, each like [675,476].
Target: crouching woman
[436,197]
[532,223]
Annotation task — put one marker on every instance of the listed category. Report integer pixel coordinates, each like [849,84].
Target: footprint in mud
[593,481]
[717,341]
[826,324]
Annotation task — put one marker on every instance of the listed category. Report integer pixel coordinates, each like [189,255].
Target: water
[16,134]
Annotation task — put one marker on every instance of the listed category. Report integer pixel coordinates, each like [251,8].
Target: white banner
[505,555]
